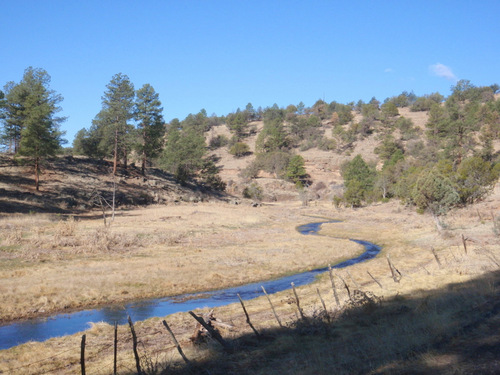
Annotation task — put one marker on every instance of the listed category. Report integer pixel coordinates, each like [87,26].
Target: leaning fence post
[436,257]
[374,279]
[272,307]
[324,305]
[464,241]
[134,342]
[346,286]
[298,302]
[82,354]
[179,349]
[248,317]
[333,286]
[352,278]
[216,335]
[394,270]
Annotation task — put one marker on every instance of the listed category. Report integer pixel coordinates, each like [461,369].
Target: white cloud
[443,71]
[388,70]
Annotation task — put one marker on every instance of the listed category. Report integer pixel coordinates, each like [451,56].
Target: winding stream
[40,329]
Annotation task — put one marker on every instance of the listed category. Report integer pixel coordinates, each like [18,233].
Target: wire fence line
[93,359]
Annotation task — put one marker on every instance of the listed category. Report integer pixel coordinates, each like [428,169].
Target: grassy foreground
[436,319]
[52,263]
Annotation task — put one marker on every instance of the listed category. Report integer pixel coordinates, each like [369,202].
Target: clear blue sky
[221,55]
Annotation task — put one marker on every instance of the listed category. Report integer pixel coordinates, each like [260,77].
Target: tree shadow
[452,330]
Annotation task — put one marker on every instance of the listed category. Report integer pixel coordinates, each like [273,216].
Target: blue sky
[221,55]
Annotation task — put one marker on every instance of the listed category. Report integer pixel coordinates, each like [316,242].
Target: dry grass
[49,264]
[418,323]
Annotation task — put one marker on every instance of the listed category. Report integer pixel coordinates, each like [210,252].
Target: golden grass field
[54,264]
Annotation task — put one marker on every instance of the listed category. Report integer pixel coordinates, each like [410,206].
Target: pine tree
[112,122]
[359,180]
[151,127]
[31,119]
[296,170]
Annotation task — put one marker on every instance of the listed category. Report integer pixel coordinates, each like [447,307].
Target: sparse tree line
[451,162]
[129,126]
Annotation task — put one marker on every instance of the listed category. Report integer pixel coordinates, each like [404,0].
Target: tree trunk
[125,161]
[143,165]
[115,158]
[439,225]
[37,170]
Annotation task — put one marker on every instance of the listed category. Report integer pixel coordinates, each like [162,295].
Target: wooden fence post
[134,342]
[272,307]
[216,335]
[115,349]
[333,286]
[179,349]
[374,279]
[298,302]
[394,271]
[352,278]
[248,317]
[345,286]
[82,354]
[436,257]
[324,305]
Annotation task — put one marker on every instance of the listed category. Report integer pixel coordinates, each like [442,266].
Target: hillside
[71,184]
[323,167]
[74,184]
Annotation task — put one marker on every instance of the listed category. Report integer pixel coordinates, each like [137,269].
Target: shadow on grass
[454,330]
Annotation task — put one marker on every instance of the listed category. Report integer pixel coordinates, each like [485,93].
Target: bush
[252,170]
[220,141]
[326,144]
[253,191]
[239,149]
[274,162]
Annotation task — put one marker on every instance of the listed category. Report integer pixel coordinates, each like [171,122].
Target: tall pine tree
[150,124]
[30,120]
[112,122]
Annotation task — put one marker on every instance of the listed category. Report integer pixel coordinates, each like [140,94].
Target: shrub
[239,149]
[220,141]
[326,144]
[253,191]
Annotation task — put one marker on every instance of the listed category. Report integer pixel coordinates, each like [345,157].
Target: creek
[40,329]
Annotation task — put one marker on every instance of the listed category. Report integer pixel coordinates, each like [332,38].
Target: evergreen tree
[183,153]
[435,192]
[475,178]
[296,170]
[437,125]
[359,180]
[112,123]
[31,119]
[151,128]
[13,116]
[273,136]
[238,123]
